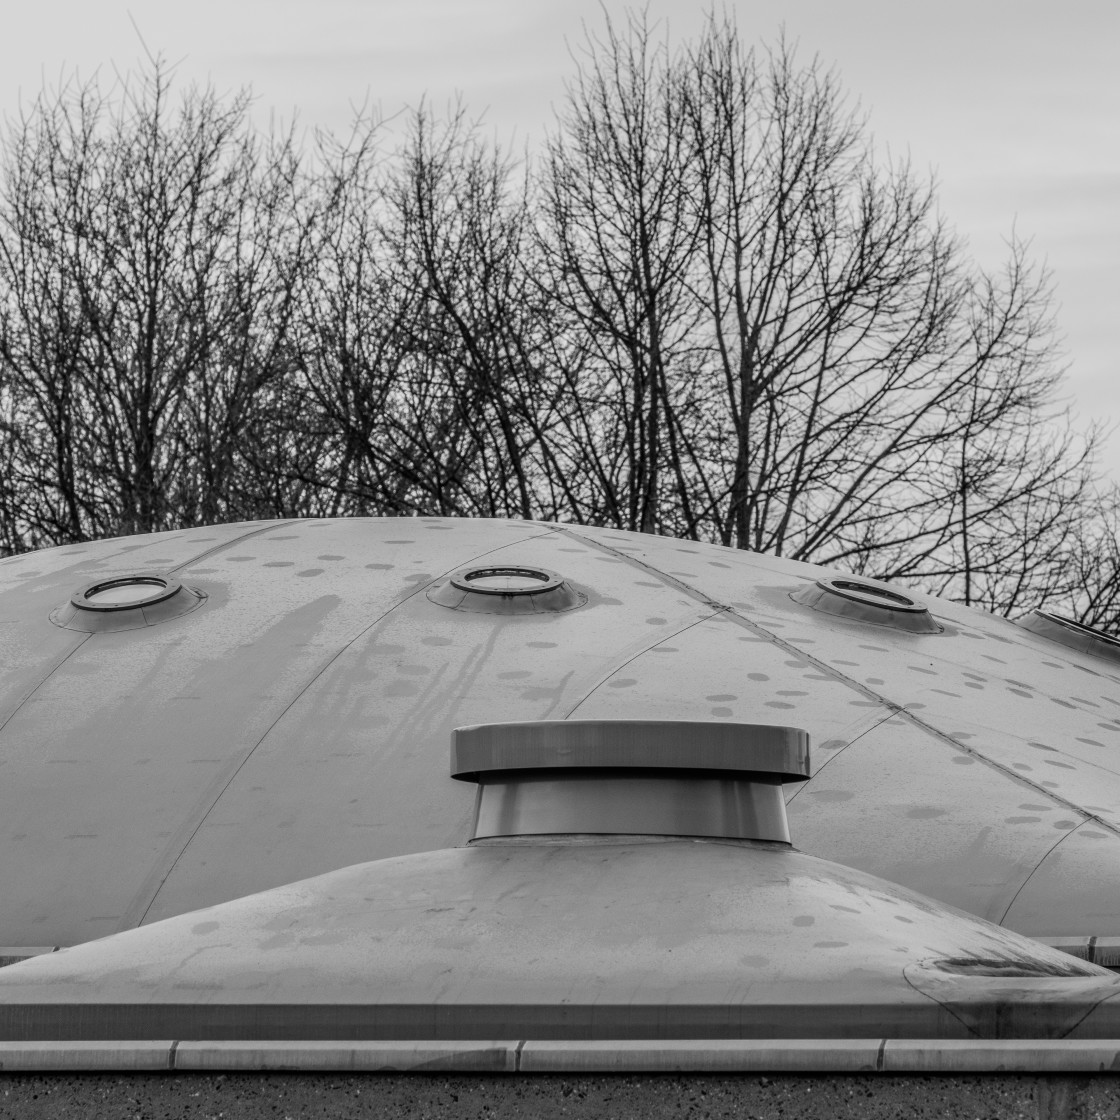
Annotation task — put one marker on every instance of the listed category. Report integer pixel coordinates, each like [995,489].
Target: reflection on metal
[127,602]
[645,744]
[868,602]
[977,767]
[506,589]
[567,939]
[612,777]
[612,889]
[616,802]
[1072,634]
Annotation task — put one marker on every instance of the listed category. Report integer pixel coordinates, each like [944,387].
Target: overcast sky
[1013,104]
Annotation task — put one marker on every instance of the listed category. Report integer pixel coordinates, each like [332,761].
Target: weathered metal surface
[567,940]
[298,721]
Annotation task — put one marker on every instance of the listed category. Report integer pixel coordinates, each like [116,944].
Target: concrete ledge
[1001,1056]
[139,1056]
[419,1057]
[701,1055]
[872,1055]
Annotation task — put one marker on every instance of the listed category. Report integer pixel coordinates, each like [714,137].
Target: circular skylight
[125,592]
[505,580]
[506,589]
[127,601]
[864,601]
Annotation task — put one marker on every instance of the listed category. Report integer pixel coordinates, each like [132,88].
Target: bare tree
[147,258]
[710,310]
[621,234]
[798,339]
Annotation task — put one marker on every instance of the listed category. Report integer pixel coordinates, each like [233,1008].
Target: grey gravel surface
[665,1097]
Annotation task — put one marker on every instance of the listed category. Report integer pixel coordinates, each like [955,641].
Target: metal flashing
[127,601]
[1074,635]
[506,589]
[866,601]
[744,748]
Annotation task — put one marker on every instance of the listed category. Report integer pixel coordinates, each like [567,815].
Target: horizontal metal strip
[617,1056]
[1104,951]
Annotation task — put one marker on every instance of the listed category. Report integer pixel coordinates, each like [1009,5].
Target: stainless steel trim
[652,804]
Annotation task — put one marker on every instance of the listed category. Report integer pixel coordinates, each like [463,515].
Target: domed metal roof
[296,719]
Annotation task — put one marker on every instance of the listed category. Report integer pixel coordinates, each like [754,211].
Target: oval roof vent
[127,602]
[630,777]
[1072,634]
[865,601]
[506,589]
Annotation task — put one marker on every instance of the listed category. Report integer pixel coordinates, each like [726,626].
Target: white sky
[1014,104]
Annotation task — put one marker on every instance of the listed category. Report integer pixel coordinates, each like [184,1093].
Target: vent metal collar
[506,589]
[127,602]
[849,597]
[621,777]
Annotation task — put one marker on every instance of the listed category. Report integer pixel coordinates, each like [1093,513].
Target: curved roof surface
[629,939]
[299,720]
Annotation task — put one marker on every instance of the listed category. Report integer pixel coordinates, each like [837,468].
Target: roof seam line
[1045,856]
[278,524]
[761,631]
[287,708]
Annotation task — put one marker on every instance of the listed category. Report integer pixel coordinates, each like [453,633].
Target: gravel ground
[666,1097]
